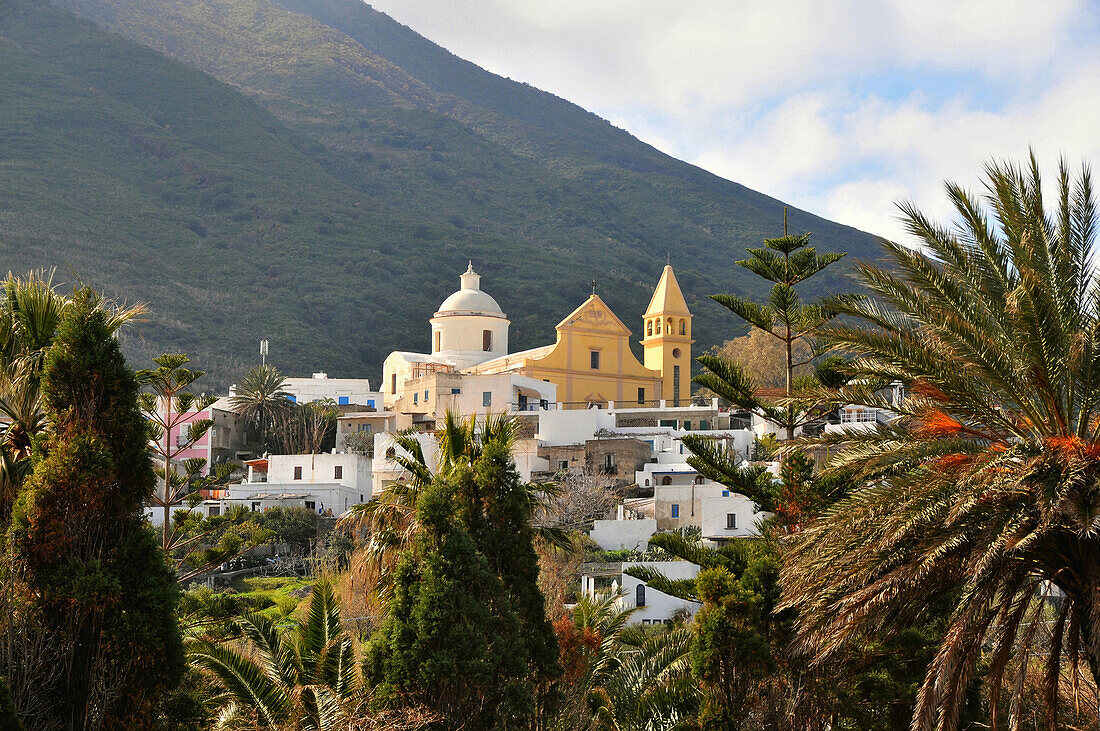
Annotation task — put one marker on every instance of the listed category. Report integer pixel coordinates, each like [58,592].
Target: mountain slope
[326,194]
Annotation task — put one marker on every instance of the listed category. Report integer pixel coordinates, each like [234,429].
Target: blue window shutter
[342,401]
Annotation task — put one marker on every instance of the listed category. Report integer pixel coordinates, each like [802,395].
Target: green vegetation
[306,678]
[261,401]
[89,593]
[786,262]
[342,139]
[984,492]
[466,633]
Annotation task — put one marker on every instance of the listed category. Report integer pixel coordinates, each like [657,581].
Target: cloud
[838,108]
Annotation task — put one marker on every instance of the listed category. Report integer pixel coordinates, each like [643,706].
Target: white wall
[716,510]
[340,390]
[527,459]
[321,468]
[316,496]
[618,535]
[572,426]
[658,605]
[461,338]
[386,470]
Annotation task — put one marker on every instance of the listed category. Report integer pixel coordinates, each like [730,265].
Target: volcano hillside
[315,173]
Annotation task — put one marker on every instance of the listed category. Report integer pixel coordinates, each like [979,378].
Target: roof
[365,415]
[470,302]
[667,298]
[470,299]
[257,464]
[594,313]
[509,362]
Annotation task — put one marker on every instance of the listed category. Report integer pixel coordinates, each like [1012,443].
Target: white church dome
[470,300]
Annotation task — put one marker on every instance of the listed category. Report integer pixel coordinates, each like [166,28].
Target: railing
[859,416]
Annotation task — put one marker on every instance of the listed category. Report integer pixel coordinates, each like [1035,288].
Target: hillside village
[695,366]
[588,411]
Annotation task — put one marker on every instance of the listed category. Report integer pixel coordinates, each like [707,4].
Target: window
[310,505]
[425,395]
[699,480]
[360,497]
[683,327]
[438,340]
[364,428]
[292,399]
[675,385]
[731,521]
[675,509]
[544,404]
[725,493]
[639,595]
[456,391]
[338,472]
[298,472]
[704,424]
[609,462]
[668,328]
[486,340]
[342,401]
[595,356]
[391,453]
[521,401]
[647,482]
[641,395]
[370,403]
[649,327]
[658,327]
[215,511]
[393,383]
[416,397]
[563,464]
[666,480]
[487,399]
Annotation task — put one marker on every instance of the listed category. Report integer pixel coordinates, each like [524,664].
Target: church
[469,369]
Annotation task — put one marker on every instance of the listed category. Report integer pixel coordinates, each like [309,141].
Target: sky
[841,108]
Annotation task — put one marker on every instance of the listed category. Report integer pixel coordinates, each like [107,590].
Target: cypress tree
[506,539]
[95,580]
[467,634]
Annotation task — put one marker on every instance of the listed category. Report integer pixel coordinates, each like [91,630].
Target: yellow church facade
[591,361]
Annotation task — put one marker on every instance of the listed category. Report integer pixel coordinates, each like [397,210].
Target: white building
[469,327]
[730,516]
[623,534]
[342,391]
[327,483]
[651,606]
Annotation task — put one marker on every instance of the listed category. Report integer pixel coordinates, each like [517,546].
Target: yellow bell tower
[666,329]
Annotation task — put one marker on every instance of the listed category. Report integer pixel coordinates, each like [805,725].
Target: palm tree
[305,678]
[31,309]
[647,688]
[985,488]
[261,400]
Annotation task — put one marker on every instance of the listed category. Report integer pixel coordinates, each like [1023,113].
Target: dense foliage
[92,598]
[466,633]
[984,491]
[342,138]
